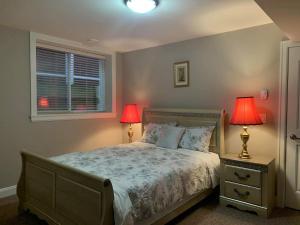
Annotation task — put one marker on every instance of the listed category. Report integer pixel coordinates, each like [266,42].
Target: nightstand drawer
[243,175]
[243,193]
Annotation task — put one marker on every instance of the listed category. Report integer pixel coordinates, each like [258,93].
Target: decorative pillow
[152,132]
[170,136]
[197,138]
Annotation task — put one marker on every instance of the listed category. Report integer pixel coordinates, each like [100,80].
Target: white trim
[54,46]
[69,44]
[46,40]
[73,116]
[283,88]
[114,83]
[8,191]
[33,37]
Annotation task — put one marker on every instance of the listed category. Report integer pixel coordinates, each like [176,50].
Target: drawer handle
[246,194]
[242,177]
[294,137]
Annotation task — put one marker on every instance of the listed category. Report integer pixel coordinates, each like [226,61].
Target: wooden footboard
[62,195]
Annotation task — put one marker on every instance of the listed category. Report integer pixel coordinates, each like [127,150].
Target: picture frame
[181,74]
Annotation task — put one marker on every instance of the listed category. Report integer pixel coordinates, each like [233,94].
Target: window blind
[68,82]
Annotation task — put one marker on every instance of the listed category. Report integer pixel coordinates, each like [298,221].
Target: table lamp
[245,114]
[130,115]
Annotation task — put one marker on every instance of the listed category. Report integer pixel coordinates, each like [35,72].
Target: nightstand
[248,184]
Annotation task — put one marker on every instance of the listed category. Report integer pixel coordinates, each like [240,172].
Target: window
[70,84]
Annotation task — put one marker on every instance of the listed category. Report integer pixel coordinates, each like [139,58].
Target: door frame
[282,125]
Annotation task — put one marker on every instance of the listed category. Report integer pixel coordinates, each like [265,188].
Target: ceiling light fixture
[141,6]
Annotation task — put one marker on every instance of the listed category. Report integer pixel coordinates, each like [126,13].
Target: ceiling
[286,14]
[117,28]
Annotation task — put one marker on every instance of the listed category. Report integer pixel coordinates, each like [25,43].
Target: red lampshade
[43,102]
[130,114]
[245,112]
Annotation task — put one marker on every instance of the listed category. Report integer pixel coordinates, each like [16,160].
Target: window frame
[55,43]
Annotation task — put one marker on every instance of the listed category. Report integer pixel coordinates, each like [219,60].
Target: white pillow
[197,138]
[152,131]
[170,136]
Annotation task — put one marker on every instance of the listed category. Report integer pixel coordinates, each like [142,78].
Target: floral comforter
[147,179]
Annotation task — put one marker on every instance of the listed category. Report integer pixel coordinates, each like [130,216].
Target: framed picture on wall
[181,74]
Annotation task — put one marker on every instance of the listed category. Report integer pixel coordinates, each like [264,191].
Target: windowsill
[73,116]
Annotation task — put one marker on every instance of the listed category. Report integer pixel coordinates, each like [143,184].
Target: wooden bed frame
[62,195]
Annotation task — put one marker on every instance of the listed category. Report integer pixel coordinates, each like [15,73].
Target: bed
[67,190]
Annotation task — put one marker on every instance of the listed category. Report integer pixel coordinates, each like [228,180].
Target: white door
[293,131]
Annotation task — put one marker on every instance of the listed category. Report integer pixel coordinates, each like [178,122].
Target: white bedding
[147,179]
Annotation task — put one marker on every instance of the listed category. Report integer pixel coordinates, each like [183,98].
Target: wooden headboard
[190,118]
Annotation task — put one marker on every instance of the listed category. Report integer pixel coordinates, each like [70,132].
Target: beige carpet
[208,212]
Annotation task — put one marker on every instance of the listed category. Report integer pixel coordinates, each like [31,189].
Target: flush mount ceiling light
[141,6]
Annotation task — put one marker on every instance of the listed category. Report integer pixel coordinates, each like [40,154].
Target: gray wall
[46,138]
[222,67]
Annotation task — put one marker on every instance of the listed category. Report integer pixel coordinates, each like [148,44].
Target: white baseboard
[8,191]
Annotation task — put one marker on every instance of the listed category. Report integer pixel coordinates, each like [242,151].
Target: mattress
[147,179]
